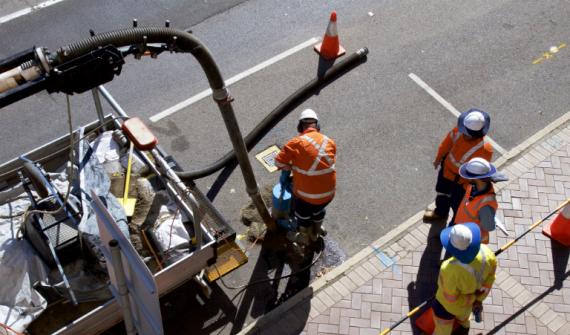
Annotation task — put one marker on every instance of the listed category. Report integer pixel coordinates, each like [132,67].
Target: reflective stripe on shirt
[487,198]
[455,137]
[320,154]
[467,155]
[477,274]
[315,196]
[314,172]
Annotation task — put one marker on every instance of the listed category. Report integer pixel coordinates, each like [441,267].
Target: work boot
[431,216]
[319,228]
[301,237]
[298,249]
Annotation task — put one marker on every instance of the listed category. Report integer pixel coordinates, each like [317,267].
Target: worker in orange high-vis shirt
[465,279]
[311,156]
[479,205]
[462,143]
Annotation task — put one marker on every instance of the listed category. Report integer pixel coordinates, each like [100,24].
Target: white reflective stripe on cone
[331,29]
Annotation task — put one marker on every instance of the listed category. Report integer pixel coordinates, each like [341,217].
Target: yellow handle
[128,176]
[508,245]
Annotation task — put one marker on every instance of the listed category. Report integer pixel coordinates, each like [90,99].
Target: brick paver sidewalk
[379,285]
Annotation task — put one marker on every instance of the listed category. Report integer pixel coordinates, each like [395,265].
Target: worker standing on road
[311,156]
[479,205]
[462,143]
[465,279]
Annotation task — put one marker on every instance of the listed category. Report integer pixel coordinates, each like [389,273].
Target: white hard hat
[460,237]
[474,121]
[462,241]
[477,168]
[308,114]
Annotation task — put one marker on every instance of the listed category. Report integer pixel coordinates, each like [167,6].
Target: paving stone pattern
[531,294]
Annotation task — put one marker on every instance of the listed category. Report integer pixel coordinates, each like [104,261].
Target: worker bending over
[464,280]
[462,143]
[311,156]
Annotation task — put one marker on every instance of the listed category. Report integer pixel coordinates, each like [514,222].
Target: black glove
[477,310]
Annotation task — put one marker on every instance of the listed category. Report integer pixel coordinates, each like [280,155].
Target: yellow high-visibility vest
[459,284]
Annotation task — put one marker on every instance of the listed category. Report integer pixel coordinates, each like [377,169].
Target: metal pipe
[196,213]
[223,99]
[98,108]
[111,100]
[203,200]
[123,291]
[189,212]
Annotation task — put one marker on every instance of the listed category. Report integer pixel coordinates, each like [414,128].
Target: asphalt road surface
[387,116]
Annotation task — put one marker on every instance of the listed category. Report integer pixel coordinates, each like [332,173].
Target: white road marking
[449,106]
[28,10]
[234,79]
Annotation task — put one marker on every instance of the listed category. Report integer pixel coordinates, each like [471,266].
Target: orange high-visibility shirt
[312,158]
[458,149]
[469,208]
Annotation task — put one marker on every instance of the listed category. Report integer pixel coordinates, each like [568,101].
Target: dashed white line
[234,79]
[27,10]
[449,106]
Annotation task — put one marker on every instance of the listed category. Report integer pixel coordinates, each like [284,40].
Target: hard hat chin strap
[475,134]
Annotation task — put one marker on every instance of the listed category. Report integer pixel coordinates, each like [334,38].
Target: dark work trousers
[449,195]
[307,214]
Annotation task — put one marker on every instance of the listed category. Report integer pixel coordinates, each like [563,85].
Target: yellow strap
[128,176]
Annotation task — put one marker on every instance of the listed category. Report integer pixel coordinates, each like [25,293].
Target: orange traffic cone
[330,47]
[559,228]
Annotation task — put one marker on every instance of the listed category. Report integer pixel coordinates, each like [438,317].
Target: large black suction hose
[181,41]
[289,104]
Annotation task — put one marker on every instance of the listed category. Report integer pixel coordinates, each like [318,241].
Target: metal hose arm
[178,41]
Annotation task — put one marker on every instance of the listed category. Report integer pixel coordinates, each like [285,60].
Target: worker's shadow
[262,292]
[425,285]
[560,256]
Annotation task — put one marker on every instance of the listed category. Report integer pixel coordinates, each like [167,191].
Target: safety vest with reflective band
[469,208]
[459,284]
[457,149]
[312,158]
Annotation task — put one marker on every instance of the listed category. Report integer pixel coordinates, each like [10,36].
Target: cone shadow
[324,66]
[560,255]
